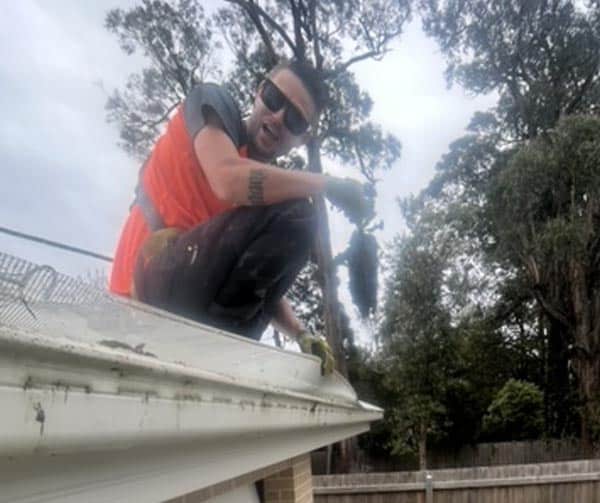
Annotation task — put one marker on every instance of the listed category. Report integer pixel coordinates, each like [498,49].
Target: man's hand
[286,321]
[349,196]
[318,346]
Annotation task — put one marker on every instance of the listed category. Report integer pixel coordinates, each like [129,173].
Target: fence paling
[460,484]
[507,453]
[383,488]
[566,481]
[484,454]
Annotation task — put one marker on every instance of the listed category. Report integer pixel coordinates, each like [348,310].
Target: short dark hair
[310,77]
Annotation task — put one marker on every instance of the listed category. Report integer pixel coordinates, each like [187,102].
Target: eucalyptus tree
[547,212]
[542,59]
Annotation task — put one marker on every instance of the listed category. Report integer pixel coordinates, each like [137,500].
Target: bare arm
[243,181]
[286,321]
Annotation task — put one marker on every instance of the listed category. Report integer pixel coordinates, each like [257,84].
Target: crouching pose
[217,233]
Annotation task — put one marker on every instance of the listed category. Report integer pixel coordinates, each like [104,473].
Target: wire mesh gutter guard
[24,284]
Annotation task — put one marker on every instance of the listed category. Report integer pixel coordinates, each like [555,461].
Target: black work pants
[231,271]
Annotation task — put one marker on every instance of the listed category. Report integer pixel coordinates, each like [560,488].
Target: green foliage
[504,241]
[549,194]
[540,56]
[418,357]
[517,412]
[546,208]
[519,191]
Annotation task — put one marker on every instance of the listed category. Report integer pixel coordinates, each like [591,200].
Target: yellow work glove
[318,346]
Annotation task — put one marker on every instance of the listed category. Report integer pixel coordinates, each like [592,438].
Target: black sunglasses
[274,100]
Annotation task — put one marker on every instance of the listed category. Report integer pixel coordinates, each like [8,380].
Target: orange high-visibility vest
[174,183]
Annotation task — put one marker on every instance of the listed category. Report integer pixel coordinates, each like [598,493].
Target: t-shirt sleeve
[206,97]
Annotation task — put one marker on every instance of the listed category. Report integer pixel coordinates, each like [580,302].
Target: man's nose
[278,116]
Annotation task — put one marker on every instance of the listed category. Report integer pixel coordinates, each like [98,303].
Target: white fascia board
[84,422]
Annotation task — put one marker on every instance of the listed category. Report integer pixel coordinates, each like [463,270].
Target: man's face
[268,133]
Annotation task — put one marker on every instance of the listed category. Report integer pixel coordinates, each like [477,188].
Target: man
[216,233]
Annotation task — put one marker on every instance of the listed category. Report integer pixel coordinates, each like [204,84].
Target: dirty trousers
[231,271]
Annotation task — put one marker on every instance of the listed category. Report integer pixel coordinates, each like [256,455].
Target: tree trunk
[331,306]
[587,349]
[423,447]
[587,369]
[557,380]
[326,277]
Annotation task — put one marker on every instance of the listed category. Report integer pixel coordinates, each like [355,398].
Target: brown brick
[306,499]
[274,484]
[304,488]
[289,481]
[302,477]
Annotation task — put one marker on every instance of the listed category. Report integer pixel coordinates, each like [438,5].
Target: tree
[418,357]
[541,58]
[516,412]
[547,207]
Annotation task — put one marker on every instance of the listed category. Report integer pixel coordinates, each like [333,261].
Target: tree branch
[576,100]
[255,12]
[344,66]
[163,117]
[296,16]
[250,9]
[550,310]
[368,173]
[316,44]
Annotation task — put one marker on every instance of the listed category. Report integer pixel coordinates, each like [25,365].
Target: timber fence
[483,454]
[567,482]
[508,453]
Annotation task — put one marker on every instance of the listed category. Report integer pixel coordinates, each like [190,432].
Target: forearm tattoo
[256,187]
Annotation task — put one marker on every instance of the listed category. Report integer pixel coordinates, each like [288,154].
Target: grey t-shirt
[205,97]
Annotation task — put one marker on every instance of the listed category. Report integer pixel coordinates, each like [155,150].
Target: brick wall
[292,485]
[287,482]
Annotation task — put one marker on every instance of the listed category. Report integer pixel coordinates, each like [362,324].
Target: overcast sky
[65,179]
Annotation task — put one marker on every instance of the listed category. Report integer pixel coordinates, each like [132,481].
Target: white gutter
[86,418]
